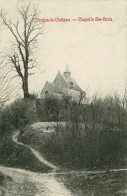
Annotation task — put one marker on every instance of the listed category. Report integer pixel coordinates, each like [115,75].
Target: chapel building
[63,85]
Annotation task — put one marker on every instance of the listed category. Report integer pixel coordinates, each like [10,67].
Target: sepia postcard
[63,98]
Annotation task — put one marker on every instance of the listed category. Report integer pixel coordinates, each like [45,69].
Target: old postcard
[63,98]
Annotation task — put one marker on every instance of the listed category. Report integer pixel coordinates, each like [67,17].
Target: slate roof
[75,85]
[54,87]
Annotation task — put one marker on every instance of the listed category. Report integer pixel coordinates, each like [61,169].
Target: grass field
[103,184]
[77,183]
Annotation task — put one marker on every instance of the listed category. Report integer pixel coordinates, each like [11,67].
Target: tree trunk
[25,87]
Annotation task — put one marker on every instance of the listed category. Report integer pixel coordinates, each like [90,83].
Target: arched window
[46,94]
[71,85]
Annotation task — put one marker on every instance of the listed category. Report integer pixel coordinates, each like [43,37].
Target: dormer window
[71,85]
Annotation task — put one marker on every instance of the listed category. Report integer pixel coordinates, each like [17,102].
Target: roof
[75,85]
[55,87]
[59,77]
[66,81]
[61,83]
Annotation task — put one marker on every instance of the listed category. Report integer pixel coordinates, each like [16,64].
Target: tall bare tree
[25,32]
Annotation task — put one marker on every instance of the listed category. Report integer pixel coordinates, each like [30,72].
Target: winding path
[27,183]
[35,152]
[55,168]
[44,184]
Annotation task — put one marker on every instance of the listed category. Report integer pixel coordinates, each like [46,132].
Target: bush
[17,115]
[92,149]
[51,109]
[95,135]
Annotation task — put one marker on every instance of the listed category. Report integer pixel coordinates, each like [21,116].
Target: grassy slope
[19,114]
[38,140]
[59,153]
[13,155]
[103,184]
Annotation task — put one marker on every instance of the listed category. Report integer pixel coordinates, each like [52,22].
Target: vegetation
[95,133]
[16,116]
[94,136]
[109,183]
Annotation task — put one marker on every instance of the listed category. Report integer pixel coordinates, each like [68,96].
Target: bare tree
[25,32]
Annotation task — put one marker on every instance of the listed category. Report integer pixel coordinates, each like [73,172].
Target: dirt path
[35,152]
[56,170]
[25,183]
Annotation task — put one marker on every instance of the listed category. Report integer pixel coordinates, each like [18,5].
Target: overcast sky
[96,52]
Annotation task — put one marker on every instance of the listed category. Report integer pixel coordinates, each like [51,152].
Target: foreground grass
[103,184]
[9,186]
[80,184]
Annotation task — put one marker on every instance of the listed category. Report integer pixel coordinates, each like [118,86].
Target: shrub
[17,115]
[51,109]
[94,136]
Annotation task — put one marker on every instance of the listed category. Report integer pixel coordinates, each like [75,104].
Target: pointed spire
[67,69]
[67,73]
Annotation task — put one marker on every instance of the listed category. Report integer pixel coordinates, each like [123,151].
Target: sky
[95,51]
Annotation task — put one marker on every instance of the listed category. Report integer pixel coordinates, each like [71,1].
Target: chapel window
[71,85]
[46,94]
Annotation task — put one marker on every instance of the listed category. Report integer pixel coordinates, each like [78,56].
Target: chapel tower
[67,73]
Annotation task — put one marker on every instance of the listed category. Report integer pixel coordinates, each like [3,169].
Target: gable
[47,87]
[50,87]
[60,82]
